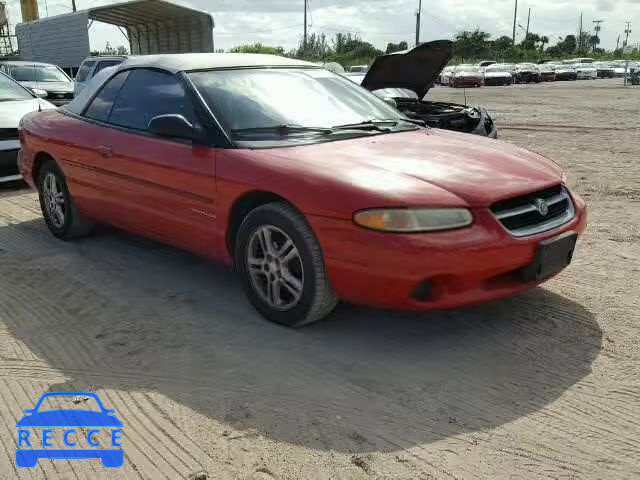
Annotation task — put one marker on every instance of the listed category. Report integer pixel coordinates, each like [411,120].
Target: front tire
[282,267]
[58,208]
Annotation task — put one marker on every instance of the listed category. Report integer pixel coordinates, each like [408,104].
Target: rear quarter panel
[70,142]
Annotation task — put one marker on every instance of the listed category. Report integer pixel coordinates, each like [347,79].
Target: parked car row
[499,74]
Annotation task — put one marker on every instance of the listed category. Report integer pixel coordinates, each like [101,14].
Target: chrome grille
[8,133]
[535,213]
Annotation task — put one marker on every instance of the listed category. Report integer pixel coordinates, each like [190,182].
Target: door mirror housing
[391,102]
[173,126]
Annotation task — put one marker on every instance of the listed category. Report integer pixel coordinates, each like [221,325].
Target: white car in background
[44,79]
[15,102]
[90,67]
[499,74]
[445,75]
[585,71]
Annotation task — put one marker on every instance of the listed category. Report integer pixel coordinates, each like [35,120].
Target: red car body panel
[183,195]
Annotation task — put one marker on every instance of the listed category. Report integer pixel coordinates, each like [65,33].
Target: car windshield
[10,90]
[250,99]
[526,66]
[395,93]
[497,68]
[37,73]
[468,68]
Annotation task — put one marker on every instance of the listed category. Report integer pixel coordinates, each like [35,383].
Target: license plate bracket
[552,255]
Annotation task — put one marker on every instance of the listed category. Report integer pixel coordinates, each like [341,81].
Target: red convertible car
[314,188]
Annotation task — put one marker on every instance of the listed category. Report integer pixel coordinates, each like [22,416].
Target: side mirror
[173,125]
[390,101]
[39,93]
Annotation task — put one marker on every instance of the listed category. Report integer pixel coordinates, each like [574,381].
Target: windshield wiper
[282,130]
[373,124]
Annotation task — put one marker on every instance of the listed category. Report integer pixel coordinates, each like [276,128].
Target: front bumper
[466,82]
[460,267]
[495,81]
[9,160]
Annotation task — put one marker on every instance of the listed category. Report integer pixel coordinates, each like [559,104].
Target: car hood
[12,112]
[416,69]
[60,87]
[69,418]
[478,170]
[497,74]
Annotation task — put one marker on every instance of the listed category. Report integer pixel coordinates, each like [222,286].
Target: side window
[101,105]
[147,94]
[85,68]
[107,63]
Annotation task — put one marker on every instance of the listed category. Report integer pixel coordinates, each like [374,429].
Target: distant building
[150,27]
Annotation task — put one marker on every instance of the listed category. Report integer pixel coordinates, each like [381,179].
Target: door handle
[106,152]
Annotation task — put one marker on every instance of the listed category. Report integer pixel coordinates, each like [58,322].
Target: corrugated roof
[142,12]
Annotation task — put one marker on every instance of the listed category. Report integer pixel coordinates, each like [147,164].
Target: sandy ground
[546,384]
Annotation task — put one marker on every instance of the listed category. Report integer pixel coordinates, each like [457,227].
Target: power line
[258,31]
[360,32]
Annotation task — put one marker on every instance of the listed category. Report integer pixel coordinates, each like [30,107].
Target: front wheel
[282,267]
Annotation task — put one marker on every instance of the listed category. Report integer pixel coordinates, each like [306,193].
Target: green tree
[502,44]
[258,48]
[472,45]
[397,47]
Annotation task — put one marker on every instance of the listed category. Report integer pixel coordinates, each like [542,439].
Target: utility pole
[515,16]
[418,22]
[73,5]
[580,33]
[627,31]
[597,29]
[528,23]
[304,38]
[618,43]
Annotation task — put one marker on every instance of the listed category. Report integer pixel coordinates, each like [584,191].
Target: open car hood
[415,69]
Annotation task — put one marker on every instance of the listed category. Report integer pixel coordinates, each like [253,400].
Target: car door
[160,187]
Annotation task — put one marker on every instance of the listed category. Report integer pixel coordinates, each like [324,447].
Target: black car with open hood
[407,76]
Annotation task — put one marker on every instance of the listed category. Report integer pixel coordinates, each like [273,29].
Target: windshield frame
[294,140]
[29,95]
[64,78]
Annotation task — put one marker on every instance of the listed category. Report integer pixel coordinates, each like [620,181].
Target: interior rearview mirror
[173,125]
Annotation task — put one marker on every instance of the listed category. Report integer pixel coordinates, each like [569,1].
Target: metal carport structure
[150,26]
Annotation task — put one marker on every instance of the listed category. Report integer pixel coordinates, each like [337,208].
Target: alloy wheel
[54,200]
[275,267]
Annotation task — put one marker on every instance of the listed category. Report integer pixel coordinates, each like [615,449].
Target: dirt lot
[546,384]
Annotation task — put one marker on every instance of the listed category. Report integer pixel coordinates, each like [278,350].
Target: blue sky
[279,22]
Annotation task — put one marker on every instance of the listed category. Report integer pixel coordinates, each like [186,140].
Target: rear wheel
[281,266]
[60,213]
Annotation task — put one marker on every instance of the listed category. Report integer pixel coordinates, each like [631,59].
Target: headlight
[408,220]
[39,92]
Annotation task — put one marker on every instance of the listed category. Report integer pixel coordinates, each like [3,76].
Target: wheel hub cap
[54,200]
[275,267]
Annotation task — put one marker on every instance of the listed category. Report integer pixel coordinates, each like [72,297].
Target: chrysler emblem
[542,206]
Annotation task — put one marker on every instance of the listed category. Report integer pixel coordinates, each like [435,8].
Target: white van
[90,67]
